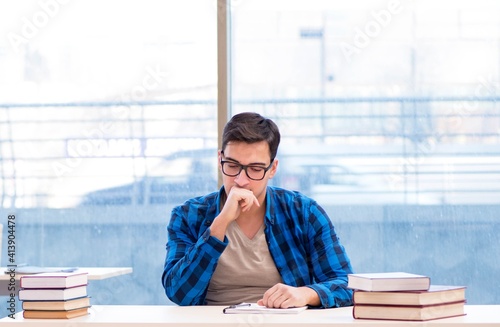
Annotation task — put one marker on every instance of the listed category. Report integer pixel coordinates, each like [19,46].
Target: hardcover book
[61,294]
[409,313]
[63,314]
[388,281]
[434,295]
[54,280]
[77,303]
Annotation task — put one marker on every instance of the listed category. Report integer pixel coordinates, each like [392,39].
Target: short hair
[251,127]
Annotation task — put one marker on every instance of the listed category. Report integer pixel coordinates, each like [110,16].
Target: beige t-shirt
[245,269]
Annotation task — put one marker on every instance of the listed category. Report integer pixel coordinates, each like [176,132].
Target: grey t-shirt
[245,269]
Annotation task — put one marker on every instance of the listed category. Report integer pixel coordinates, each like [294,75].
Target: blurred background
[389,114]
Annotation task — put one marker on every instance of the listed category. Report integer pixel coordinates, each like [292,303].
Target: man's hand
[284,296]
[238,200]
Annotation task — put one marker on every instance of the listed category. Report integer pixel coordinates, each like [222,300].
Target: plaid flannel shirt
[301,239]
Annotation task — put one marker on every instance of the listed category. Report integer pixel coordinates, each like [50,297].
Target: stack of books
[55,295]
[404,296]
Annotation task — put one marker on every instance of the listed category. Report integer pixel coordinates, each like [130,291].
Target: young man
[250,242]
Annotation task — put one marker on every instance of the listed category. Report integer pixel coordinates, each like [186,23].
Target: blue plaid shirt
[301,238]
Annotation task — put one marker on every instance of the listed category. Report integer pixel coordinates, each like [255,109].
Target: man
[250,242]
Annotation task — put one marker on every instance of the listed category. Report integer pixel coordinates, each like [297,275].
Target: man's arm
[190,261]
[330,262]
[330,266]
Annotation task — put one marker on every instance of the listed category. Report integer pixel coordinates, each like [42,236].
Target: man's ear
[274,168]
[219,158]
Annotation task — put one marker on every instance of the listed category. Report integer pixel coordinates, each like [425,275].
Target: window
[390,109]
[107,110]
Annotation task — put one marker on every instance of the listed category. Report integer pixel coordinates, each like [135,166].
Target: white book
[388,281]
[54,280]
[62,294]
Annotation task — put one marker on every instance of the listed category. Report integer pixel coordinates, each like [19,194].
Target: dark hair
[250,127]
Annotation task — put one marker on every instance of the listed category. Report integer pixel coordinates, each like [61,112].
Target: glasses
[233,169]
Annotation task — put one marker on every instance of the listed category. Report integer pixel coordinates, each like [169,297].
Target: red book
[436,294]
[409,312]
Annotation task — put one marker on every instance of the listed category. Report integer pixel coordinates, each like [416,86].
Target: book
[60,294]
[434,295]
[72,304]
[388,281]
[62,314]
[54,280]
[410,312]
[255,308]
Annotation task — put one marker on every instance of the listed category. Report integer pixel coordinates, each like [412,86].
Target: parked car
[190,173]
[183,175]
[177,177]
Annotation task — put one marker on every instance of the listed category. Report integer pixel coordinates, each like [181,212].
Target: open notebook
[255,308]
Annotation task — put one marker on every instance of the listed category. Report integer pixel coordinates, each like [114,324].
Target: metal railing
[433,149]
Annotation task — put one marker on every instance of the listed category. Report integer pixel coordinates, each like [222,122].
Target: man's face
[255,154]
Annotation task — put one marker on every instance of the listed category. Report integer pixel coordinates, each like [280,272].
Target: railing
[423,150]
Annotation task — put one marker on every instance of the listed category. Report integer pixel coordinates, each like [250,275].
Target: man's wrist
[219,227]
[313,297]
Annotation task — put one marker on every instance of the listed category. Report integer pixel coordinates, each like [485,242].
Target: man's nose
[242,179]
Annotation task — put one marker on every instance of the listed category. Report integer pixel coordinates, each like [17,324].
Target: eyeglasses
[233,169]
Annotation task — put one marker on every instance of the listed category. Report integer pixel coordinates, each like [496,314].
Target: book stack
[55,295]
[404,296]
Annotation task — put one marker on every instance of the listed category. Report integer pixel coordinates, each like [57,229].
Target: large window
[388,110]
[107,119]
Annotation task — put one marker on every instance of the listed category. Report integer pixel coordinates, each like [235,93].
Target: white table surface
[211,316]
[94,273]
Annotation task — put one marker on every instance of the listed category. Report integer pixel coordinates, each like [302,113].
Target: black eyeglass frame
[245,167]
